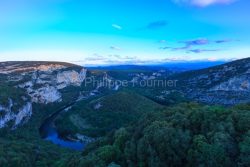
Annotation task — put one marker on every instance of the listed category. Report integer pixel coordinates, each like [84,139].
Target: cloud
[165,47]
[175,48]
[201,41]
[162,41]
[130,57]
[124,60]
[157,24]
[189,44]
[204,41]
[95,57]
[115,48]
[116,26]
[202,50]
[204,3]
[115,56]
[224,41]
[181,48]
[109,59]
[122,57]
[188,49]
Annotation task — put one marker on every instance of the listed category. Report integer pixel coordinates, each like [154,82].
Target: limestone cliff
[43,82]
[226,84]
[8,115]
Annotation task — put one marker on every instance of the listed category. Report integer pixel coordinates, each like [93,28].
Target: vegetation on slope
[132,130]
[204,77]
[10,93]
[105,114]
[23,147]
[185,135]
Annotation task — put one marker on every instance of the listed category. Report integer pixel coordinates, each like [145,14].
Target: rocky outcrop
[18,67]
[18,117]
[39,82]
[45,95]
[84,139]
[24,114]
[238,83]
[72,77]
[50,67]
[98,106]
[227,84]
[44,87]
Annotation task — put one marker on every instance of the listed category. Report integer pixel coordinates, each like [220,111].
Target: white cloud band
[204,3]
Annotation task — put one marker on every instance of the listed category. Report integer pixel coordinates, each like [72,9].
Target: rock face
[226,84]
[11,67]
[44,94]
[47,94]
[22,115]
[50,67]
[43,82]
[98,106]
[72,77]
[239,83]
[84,139]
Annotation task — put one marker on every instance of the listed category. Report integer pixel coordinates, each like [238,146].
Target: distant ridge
[34,63]
[180,65]
[227,84]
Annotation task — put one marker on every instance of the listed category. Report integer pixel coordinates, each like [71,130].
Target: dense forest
[185,135]
[188,134]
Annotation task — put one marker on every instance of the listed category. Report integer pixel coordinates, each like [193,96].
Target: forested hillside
[184,135]
[123,125]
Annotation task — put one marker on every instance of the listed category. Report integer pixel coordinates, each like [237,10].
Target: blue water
[54,138]
[49,133]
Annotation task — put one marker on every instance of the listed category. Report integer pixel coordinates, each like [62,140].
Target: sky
[124,31]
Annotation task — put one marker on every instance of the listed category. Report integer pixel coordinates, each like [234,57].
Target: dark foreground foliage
[186,135]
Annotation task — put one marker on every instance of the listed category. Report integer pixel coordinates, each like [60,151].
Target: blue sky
[124,31]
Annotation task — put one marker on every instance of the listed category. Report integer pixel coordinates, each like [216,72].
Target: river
[48,132]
